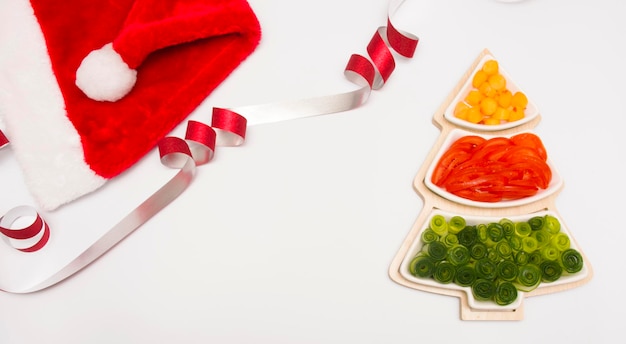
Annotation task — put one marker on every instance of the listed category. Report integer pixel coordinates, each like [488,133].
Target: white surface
[288,238]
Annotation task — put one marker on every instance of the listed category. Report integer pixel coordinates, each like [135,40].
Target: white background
[288,238]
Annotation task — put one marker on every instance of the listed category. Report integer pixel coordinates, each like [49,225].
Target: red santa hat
[87,88]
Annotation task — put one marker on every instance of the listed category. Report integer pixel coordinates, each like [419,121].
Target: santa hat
[87,88]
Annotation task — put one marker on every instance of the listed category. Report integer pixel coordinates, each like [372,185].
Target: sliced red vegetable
[495,169]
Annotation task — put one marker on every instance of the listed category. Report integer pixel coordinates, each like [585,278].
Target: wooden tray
[434,201]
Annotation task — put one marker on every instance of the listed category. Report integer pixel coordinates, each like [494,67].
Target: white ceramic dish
[456,134]
[416,246]
[530,113]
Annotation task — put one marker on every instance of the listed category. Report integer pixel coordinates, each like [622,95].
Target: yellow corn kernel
[479,78]
[519,100]
[516,114]
[474,97]
[501,114]
[487,90]
[504,98]
[474,115]
[488,106]
[491,67]
[497,82]
[460,110]
[491,121]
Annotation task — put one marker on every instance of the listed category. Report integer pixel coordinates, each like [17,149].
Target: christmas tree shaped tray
[443,206]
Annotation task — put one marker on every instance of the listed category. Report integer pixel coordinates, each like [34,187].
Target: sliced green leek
[456,224]
[439,224]
[459,255]
[485,269]
[478,250]
[506,270]
[522,229]
[528,278]
[450,240]
[429,236]
[550,270]
[436,250]
[483,289]
[508,226]
[422,266]
[465,276]
[444,272]
[467,236]
[505,294]
[571,260]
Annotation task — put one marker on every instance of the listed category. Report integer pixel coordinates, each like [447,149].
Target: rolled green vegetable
[542,236]
[551,224]
[483,290]
[495,232]
[529,244]
[450,240]
[504,249]
[456,224]
[522,229]
[506,270]
[429,235]
[465,276]
[436,250]
[459,255]
[561,241]
[549,252]
[493,255]
[521,257]
[535,258]
[422,266]
[439,224]
[550,270]
[508,226]
[505,294]
[571,260]
[467,236]
[515,242]
[481,231]
[478,250]
[485,269]
[536,223]
[444,272]
[528,277]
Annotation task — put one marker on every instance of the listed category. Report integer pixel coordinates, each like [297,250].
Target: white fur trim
[104,76]
[44,141]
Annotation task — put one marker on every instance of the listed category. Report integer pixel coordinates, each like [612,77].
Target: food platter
[437,201]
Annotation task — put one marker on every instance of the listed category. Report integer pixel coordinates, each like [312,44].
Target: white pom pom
[104,76]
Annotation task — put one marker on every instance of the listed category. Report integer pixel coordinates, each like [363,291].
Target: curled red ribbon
[228,128]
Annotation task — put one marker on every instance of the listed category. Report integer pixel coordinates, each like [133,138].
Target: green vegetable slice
[549,252]
[429,236]
[459,255]
[536,223]
[508,227]
[467,236]
[483,289]
[478,250]
[503,249]
[528,278]
[495,232]
[522,229]
[465,276]
[550,270]
[571,260]
[561,241]
[506,270]
[485,269]
[444,272]
[456,224]
[505,294]
[551,224]
[422,266]
[436,250]
[450,240]
[439,224]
